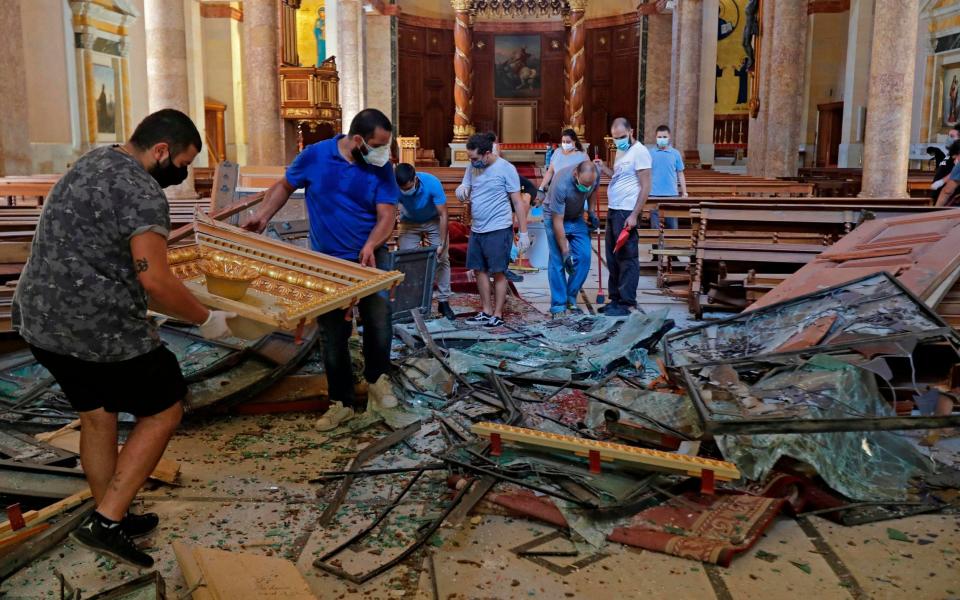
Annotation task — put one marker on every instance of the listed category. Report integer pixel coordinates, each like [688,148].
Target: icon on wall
[517,66]
[951,90]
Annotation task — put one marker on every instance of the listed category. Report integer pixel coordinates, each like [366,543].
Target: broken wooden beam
[607,451]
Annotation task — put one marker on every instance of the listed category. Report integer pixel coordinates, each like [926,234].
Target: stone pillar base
[706,153]
[458,154]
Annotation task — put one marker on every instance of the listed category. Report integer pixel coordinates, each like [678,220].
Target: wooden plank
[222,575]
[691,465]
[32,517]
[29,550]
[166,471]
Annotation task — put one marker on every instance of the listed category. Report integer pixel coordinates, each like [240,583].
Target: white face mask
[496,149]
[567,146]
[377,157]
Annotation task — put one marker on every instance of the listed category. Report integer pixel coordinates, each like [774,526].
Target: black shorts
[490,252]
[142,386]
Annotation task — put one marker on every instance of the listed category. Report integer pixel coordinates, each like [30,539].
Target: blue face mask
[663,142]
[411,191]
[623,144]
[583,189]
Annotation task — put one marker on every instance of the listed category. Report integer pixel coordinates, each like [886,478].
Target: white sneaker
[381,393]
[335,416]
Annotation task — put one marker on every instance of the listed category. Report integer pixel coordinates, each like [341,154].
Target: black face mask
[169,174]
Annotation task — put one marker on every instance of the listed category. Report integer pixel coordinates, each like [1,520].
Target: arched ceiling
[441,9]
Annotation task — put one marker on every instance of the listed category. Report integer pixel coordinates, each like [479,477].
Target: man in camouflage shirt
[81,303]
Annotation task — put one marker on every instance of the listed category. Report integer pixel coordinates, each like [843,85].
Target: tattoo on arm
[140,265]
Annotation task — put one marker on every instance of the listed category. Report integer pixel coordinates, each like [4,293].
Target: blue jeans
[563,287]
[335,332]
[669,222]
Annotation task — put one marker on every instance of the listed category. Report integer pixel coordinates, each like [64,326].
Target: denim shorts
[490,252]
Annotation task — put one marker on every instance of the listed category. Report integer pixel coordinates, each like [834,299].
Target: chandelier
[520,8]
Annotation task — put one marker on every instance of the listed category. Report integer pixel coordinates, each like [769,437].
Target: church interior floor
[244,489]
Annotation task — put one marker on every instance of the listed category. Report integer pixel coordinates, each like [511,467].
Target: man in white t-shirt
[626,194]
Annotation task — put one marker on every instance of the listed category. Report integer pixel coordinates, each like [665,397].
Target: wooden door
[919,250]
[216,143]
[830,124]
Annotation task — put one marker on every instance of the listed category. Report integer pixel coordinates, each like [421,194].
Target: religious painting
[733,62]
[311,33]
[517,66]
[104,96]
[950,84]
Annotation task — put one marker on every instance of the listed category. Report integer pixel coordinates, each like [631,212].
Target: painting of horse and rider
[517,66]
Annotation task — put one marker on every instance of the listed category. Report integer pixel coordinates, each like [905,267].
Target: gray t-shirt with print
[79,294]
[490,191]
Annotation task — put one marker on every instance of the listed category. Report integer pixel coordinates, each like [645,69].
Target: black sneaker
[511,276]
[445,311]
[110,541]
[493,322]
[480,318]
[603,309]
[616,310]
[138,525]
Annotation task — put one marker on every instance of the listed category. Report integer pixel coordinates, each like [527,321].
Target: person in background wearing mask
[952,136]
[567,235]
[491,184]
[941,175]
[423,213]
[626,194]
[352,199]
[99,252]
[667,172]
[571,154]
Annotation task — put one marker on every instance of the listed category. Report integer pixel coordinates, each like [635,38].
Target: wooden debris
[222,575]
[33,517]
[691,465]
[166,471]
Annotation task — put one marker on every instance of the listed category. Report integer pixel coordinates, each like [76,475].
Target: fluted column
[688,17]
[463,72]
[577,65]
[886,145]
[261,81]
[166,45]
[787,41]
[14,132]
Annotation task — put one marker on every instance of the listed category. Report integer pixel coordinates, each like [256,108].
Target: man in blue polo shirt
[423,214]
[352,206]
[667,173]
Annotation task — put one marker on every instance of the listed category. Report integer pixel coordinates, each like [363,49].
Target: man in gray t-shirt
[99,250]
[491,184]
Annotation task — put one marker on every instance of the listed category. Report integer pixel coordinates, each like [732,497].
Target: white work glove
[463,193]
[215,327]
[523,241]
[938,184]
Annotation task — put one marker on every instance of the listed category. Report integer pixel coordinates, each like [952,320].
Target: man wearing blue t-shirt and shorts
[490,184]
[352,198]
[423,213]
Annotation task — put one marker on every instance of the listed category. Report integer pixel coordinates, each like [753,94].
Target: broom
[601,299]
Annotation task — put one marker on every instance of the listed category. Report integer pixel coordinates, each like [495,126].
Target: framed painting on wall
[950,95]
[517,66]
[105,92]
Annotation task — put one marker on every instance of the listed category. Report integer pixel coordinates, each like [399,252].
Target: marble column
[14,124]
[261,81]
[783,105]
[656,86]
[855,82]
[687,16]
[708,80]
[886,145]
[166,44]
[757,135]
[577,66]
[463,72]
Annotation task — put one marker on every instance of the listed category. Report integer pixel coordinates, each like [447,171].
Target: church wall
[826,68]
[425,77]
[219,76]
[46,71]
[139,94]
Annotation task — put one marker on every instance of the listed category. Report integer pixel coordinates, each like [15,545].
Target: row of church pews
[738,250]
[834,181]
